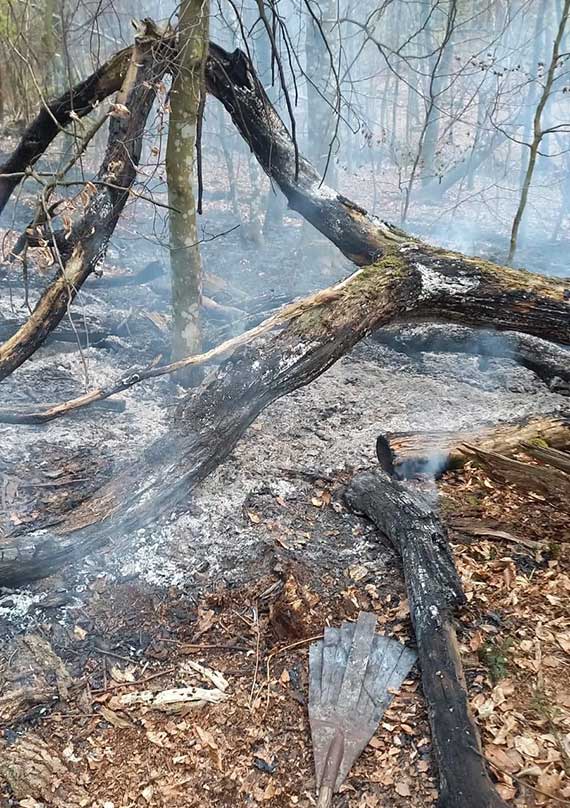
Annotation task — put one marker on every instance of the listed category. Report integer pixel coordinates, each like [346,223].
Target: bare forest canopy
[432,105]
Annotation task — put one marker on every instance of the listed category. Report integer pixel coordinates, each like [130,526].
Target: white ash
[15,606]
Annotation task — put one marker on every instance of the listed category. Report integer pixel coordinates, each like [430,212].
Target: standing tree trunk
[538,131]
[185,98]
[428,134]
[322,95]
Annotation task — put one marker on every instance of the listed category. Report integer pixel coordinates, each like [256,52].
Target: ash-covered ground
[315,433]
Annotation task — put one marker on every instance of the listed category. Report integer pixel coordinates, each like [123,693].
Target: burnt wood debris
[434,593]
[399,279]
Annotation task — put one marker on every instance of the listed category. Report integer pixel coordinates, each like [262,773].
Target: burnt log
[434,590]
[550,482]
[37,676]
[549,361]
[117,173]
[407,454]
[53,118]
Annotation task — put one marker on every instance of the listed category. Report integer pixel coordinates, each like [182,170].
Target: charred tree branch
[434,592]
[91,234]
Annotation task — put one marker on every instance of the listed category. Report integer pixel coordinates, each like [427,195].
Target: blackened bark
[434,592]
[116,175]
[360,236]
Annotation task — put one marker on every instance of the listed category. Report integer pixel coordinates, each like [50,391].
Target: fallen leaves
[403,789]
[526,746]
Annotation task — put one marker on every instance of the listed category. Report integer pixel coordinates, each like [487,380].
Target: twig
[278,651]
[206,647]
[141,681]
[520,780]
[257,644]
[285,314]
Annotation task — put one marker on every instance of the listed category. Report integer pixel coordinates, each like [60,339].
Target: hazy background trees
[450,115]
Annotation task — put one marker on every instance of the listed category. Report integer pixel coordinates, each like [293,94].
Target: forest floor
[263,556]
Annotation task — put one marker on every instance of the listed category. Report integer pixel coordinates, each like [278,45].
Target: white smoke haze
[462,179]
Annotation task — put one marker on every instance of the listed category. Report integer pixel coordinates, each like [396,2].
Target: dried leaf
[526,746]
[563,641]
[114,718]
[403,789]
[507,792]
[206,737]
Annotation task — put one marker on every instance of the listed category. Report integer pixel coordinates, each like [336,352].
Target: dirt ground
[83,746]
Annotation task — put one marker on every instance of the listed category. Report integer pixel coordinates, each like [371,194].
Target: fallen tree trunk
[55,116]
[118,171]
[549,361]
[548,481]
[410,279]
[411,453]
[434,592]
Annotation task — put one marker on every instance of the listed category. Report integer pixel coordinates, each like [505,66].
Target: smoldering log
[407,454]
[550,362]
[434,592]
[550,482]
[91,234]
[410,279]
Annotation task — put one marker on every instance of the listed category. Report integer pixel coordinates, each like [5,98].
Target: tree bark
[91,234]
[410,453]
[185,98]
[52,119]
[434,592]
